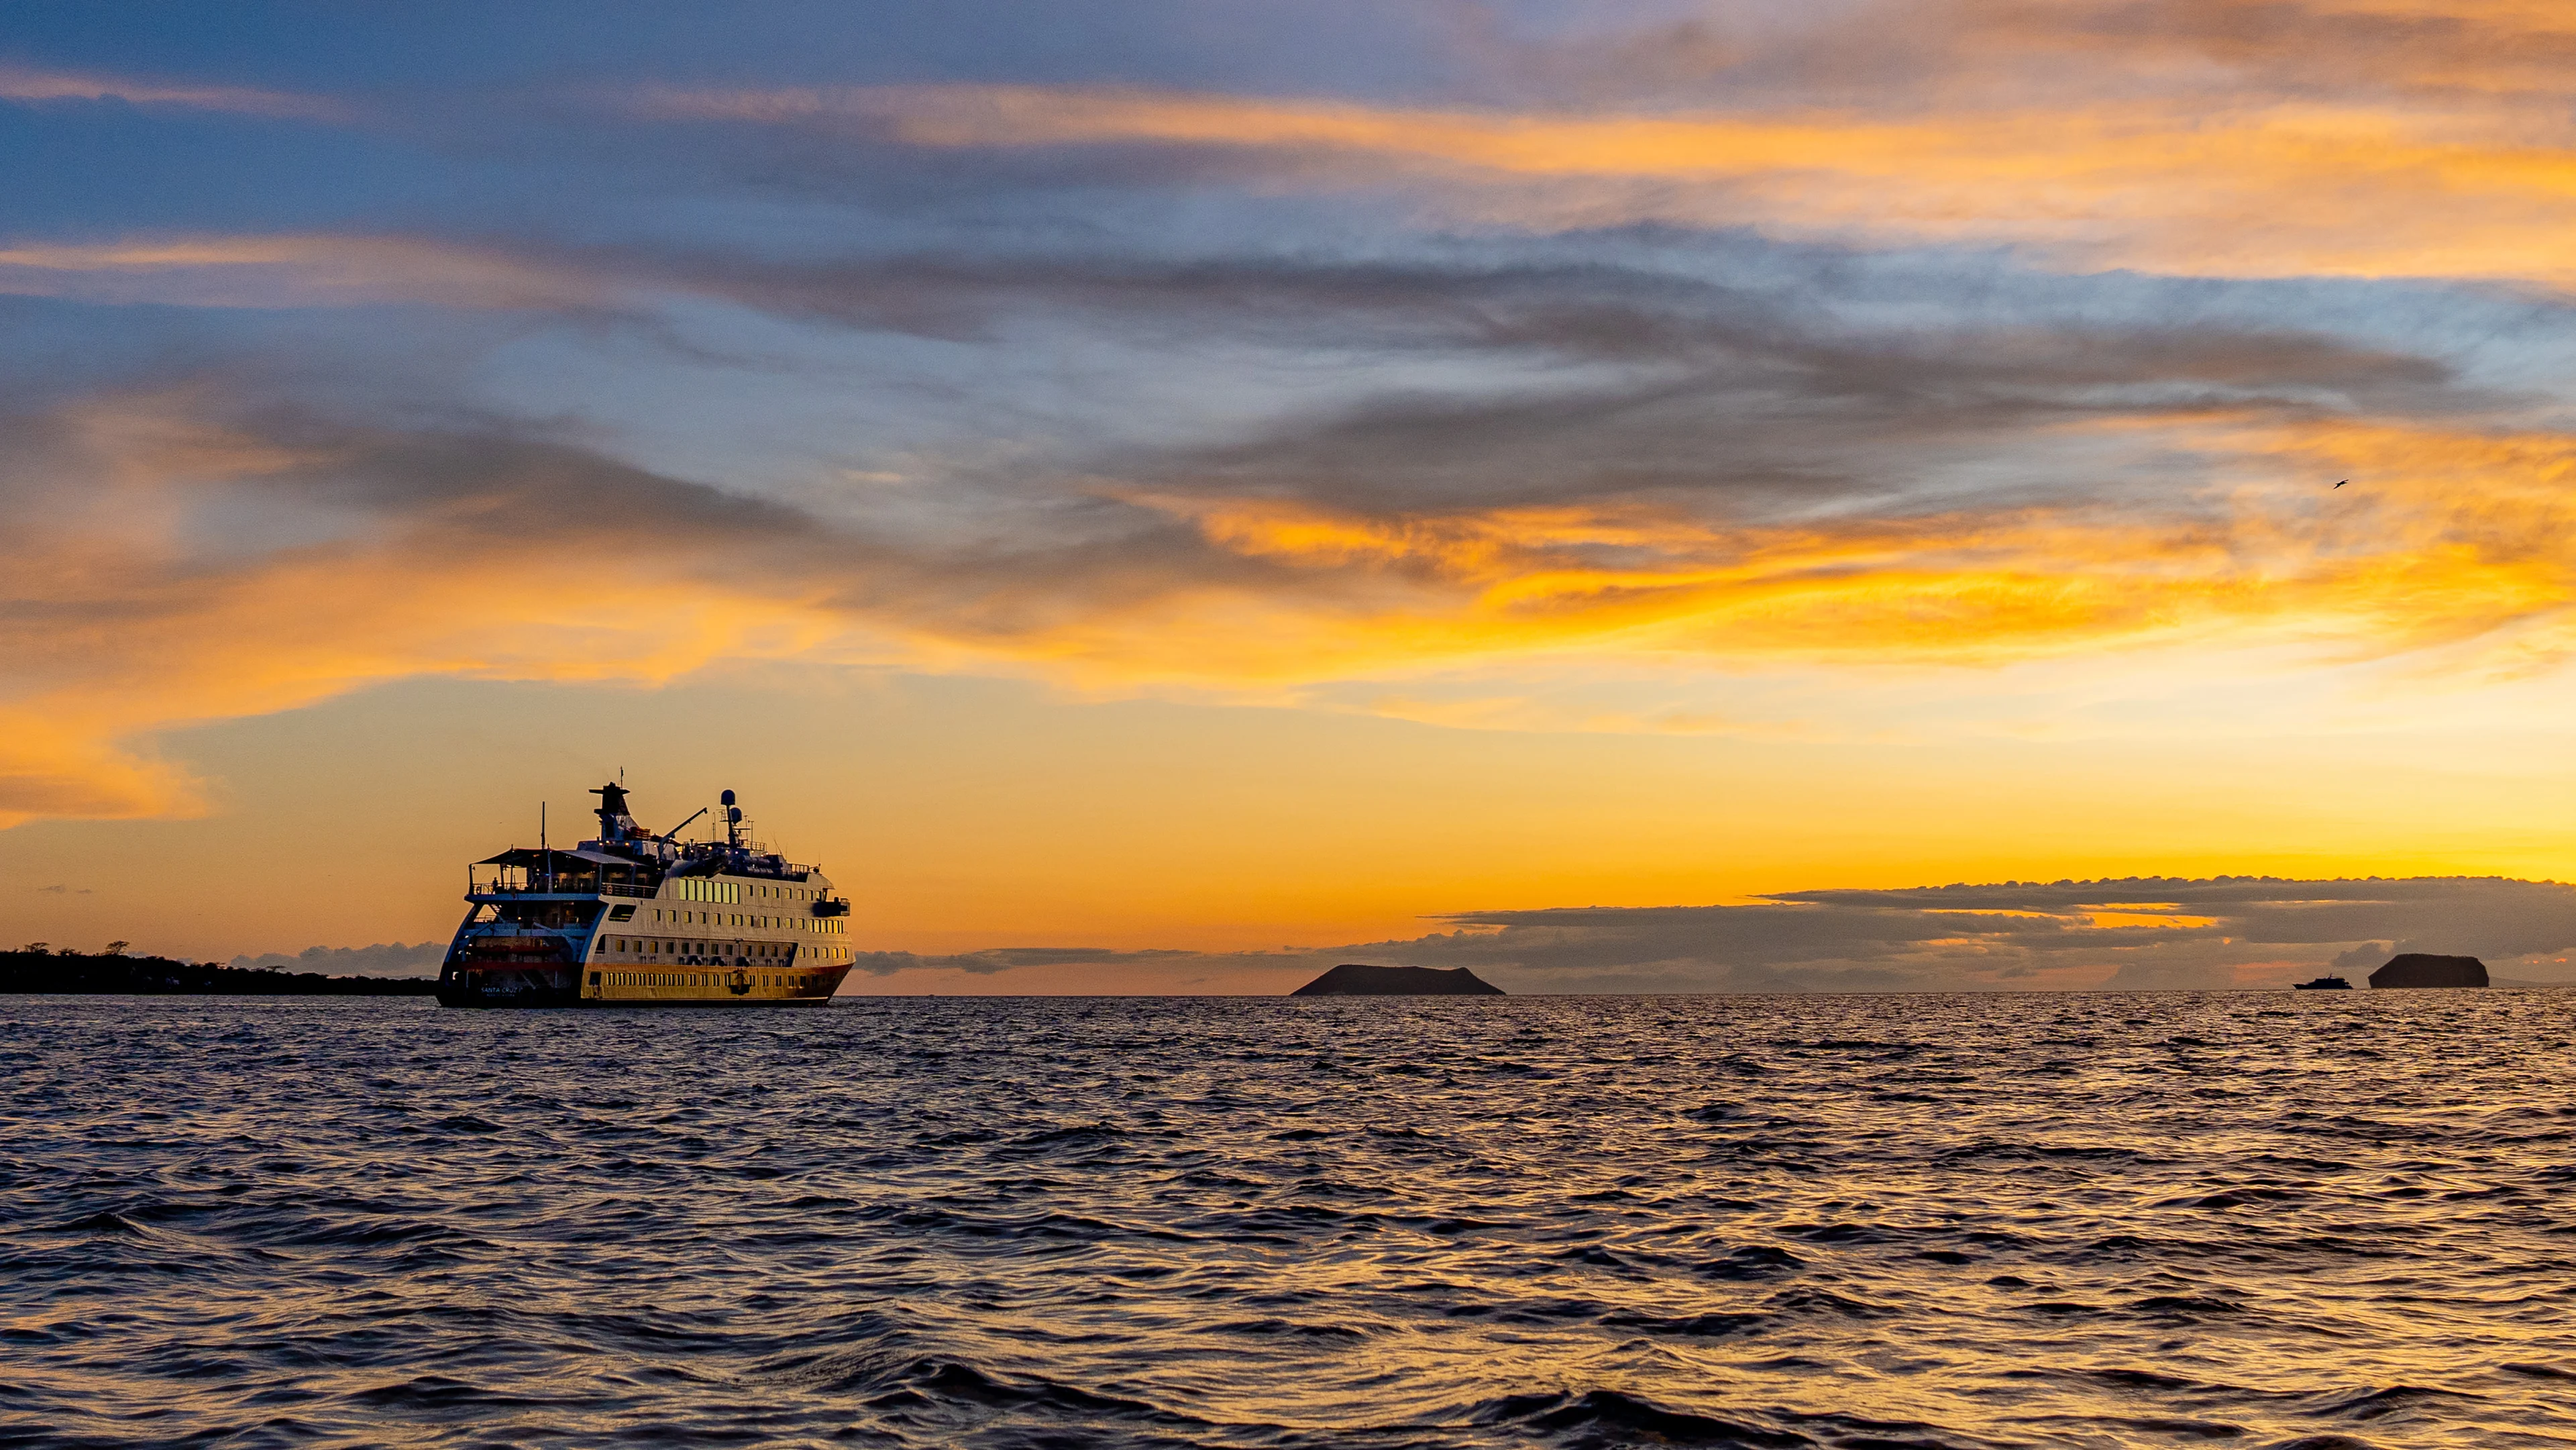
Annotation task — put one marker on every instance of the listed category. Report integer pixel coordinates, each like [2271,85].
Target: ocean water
[2314,1220]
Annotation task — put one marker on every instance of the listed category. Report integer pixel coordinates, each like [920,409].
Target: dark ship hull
[523,987]
[479,987]
[636,919]
[474,991]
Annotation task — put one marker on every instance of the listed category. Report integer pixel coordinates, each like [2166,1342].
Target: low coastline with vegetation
[41,967]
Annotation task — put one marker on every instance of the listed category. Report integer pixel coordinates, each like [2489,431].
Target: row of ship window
[632,946]
[702,979]
[699,888]
[739,918]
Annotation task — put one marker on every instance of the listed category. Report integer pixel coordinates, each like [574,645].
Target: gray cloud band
[2206,933]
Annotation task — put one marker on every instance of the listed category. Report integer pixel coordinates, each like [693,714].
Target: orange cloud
[529,562]
[2450,540]
[2422,47]
[114,629]
[333,620]
[2255,187]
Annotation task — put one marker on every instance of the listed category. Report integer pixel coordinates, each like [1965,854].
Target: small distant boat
[2325,984]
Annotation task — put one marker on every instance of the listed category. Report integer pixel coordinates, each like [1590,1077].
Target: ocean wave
[1831,1222]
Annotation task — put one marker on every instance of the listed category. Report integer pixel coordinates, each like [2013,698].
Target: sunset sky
[1171,496]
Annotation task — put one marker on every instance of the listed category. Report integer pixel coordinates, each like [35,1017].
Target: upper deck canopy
[556,858]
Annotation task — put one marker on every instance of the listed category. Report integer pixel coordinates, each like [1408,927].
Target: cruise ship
[635,918]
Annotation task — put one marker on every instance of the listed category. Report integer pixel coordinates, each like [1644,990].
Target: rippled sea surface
[2311,1219]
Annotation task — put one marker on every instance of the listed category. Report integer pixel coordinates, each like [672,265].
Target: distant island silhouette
[114,973]
[1354,979]
[2423,969]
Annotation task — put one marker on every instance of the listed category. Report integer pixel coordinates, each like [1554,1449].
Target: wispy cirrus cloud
[516,557]
[2265,186]
[2451,543]
[1720,482]
[1722,462]
[299,270]
[30,85]
[413,556]
[1937,53]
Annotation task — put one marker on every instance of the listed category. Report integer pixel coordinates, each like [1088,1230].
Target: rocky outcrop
[2423,969]
[1351,979]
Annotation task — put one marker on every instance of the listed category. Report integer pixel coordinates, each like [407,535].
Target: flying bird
[2340,482]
